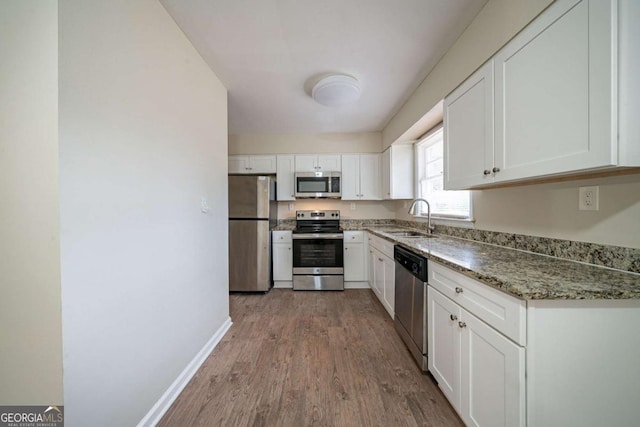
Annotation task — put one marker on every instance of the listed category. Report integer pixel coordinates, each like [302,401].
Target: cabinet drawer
[354,236]
[386,247]
[281,236]
[505,313]
[374,241]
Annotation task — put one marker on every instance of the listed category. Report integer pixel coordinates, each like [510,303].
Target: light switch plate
[204,204]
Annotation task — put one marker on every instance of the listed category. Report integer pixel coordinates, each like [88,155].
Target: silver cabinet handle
[462,324]
[346,249]
[453,317]
[496,170]
[458,290]
[487,172]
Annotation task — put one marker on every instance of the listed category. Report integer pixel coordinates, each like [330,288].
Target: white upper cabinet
[553,94]
[317,162]
[252,164]
[468,131]
[361,177]
[553,87]
[284,177]
[397,172]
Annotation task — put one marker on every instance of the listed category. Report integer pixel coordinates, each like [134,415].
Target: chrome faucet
[430,228]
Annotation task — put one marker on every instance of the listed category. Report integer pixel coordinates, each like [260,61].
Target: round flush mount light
[337,89]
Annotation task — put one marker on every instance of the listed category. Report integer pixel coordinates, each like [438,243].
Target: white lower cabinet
[478,369]
[282,256]
[492,380]
[444,340]
[355,257]
[579,356]
[382,272]
[476,348]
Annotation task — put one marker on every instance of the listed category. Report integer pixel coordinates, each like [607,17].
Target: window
[430,181]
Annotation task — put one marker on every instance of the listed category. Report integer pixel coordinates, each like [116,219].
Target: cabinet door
[262,164]
[468,132]
[389,284]
[553,93]
[378,283]
[354,262]
[444,344]
[397,172]
[492,376]
[284,177]
[282,262]
[372,268]
[305,162]
[328,162]
[350,177]
[386,173]
[238,164]
[370,180]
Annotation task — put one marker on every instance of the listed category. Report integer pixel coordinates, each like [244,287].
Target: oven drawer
[318,283]
[318,270]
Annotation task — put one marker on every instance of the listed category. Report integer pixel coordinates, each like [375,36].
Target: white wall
[494,26]
[30,319]
[365,142]
[551,210]
[143,135]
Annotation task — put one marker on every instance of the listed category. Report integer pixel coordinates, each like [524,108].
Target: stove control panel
[315,215]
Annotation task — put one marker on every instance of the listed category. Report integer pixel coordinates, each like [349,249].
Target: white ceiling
[269,53]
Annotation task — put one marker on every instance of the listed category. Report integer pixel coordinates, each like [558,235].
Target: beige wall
[494,26]
[30,319]
[551,210]
[143,136]
[367,142]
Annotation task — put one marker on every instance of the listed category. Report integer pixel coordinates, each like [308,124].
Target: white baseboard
[347,285]
[356,285]
[162,405]
[283,284]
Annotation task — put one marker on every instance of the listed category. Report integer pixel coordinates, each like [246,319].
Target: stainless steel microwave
[318,185]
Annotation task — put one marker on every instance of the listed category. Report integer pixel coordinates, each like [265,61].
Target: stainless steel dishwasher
[411,302]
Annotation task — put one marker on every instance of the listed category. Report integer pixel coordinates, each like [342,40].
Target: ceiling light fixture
[337,89]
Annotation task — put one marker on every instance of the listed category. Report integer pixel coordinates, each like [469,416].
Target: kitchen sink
[410,234]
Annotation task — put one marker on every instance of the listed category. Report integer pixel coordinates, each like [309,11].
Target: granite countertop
[521,274]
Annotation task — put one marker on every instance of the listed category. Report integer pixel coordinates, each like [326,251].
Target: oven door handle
[318,236]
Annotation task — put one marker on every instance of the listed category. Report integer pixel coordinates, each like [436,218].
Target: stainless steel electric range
[318,263]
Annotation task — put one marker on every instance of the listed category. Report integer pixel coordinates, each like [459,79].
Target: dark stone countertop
[521,274]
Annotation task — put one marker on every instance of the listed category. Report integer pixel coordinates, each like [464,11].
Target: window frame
[417,148]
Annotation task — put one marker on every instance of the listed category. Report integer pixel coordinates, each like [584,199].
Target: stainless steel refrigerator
[252,213]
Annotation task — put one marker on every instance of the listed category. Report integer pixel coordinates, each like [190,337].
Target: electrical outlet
[353,206]
[588,198]
[291,207]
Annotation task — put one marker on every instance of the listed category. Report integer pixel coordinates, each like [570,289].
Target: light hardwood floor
[310,358]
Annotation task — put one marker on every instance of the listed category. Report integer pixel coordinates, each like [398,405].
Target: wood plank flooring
[310,358]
